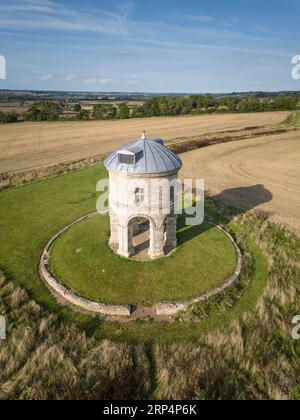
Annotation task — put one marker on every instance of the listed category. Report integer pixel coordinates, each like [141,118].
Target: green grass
[178,331]
[250,295]
[32,214]
[82,260]
[293,120]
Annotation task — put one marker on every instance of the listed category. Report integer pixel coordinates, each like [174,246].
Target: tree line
[210,104]
[8,117]
[155,107]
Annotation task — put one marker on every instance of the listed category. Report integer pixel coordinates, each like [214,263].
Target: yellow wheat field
[33,145]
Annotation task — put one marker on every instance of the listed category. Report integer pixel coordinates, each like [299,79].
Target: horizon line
[149,92]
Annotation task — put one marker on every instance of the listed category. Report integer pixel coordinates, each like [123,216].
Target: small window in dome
[126,159]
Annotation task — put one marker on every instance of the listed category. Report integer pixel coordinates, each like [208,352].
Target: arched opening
[140,227]
[140,238]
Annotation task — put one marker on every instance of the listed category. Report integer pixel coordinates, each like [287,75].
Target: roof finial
[144,135]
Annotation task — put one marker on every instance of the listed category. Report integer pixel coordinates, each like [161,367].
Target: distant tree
[32,114]
[123,111]
[284,102]
[43,111]
[83,115]
[98,112]
[137,111]
[104,112]
[77,107]
[193,101]
[163,105]
[8,117]
[229,102]
[151,108]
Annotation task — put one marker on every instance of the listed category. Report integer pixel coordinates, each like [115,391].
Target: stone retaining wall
[68,295]
[162,309]
[172,308]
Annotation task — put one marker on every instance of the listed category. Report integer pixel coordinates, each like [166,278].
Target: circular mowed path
[84,263]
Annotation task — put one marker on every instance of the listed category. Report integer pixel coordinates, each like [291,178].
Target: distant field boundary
[177,145]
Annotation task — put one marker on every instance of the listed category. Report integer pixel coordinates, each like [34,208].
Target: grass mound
[82,260]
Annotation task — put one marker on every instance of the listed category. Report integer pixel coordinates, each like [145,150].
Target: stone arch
[131,231]
[142,216]
[161,241]
[140,236]
[156,240]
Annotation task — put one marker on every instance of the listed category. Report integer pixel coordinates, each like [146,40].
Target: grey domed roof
[143,157]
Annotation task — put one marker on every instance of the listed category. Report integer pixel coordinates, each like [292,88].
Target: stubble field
[25,146]
[259,173]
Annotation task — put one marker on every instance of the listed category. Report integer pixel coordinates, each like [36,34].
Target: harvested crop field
[257,173]
[25,146]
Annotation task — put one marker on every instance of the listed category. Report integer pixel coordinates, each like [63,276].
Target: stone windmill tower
[143,177]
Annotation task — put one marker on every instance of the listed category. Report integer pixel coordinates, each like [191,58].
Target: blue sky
[150,45]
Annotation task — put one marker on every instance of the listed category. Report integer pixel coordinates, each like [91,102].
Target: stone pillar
[114,230]
[157,242]
[171,233]
[125,241]
[130,241]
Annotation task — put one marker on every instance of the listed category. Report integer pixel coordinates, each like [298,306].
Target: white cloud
[47,76]
[199,18]
[61,25]
[44,14]
[105,81]
[71,77]
[133,82]
[101,81]
[187,48]
[91,81]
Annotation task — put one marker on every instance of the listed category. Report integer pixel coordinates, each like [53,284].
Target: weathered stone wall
[162,309]
[156,207]
[68,295]
[122,188]
[172,308]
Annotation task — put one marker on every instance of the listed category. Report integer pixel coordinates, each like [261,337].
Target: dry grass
[17,179]
[43,359]
[26,146]
[253,358]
